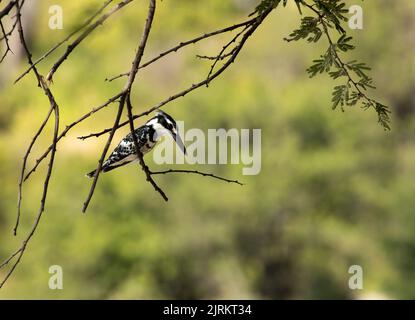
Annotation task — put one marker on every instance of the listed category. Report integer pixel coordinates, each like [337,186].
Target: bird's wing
[125,151]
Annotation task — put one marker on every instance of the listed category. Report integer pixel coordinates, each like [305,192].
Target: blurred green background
[335,190]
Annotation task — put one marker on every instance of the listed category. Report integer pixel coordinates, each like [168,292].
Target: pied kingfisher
[147,137]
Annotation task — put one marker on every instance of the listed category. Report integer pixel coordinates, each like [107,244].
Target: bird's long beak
[179,141]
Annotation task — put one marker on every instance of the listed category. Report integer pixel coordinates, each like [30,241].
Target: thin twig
[51,50]
[19,253]
[143,165]
[222,54]
[23,169]
[6,10]
[69,127]
[247,34]
[186,43]
[104,152]
[10,32]
[124,97]
[132,75]
[196,172]
[6,40]
[25,242]
[219,57]
[84,35]
[10,258]
[159,56]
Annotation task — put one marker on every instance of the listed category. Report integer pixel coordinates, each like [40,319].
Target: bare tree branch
[26,156]
[196,172]
[6,40]
[104,152]
[6,34]
[222,54]
[238,48]
[6,10]
[84,35]
[51,50]
[69,127]
[19,253]
[185,44]
[124,97]
[159,56]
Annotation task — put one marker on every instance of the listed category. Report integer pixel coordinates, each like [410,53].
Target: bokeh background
[335,190]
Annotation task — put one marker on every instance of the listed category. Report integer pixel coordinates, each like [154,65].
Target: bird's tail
[91,174]
[104,168]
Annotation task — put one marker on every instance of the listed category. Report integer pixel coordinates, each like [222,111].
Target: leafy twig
[328,15]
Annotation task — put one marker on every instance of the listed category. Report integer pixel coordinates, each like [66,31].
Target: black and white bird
[147,137]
